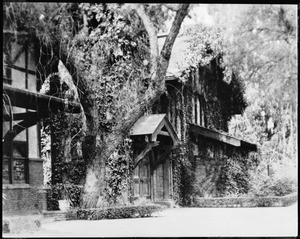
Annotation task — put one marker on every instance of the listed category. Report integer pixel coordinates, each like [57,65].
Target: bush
[70,192]
[233,176]
[113,212]
[283,187]
[268,186]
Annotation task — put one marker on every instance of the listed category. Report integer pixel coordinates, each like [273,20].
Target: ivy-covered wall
[64,165]
[202,166]
[220,169]
[222,99]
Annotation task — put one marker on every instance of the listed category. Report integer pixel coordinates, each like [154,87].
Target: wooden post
[171,178]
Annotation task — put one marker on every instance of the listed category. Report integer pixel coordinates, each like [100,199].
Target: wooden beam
[40,102]
[144,152]
[19,116]
[171,131]
[157,130]
[164,133]
[18,128]
[19,53]
[248,145]
[18,68]
[215,135]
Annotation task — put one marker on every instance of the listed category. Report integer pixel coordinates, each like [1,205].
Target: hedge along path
[271,201]
[113,212]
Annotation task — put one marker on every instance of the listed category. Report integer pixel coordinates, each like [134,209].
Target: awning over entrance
[221,137]
[154,125]
[153,140]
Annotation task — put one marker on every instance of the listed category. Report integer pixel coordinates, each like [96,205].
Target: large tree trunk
[96,150]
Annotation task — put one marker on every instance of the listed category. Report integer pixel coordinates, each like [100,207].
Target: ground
[183,222]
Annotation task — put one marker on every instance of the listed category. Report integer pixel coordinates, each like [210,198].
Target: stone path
[184,222]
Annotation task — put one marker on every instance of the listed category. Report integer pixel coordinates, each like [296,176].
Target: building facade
[23,108]
[198,110]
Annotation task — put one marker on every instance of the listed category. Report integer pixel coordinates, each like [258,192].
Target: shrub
[113,212]
[269,186]
[233,176]
[56,192]
[283,187]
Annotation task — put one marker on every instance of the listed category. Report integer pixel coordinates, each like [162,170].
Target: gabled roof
[152,125]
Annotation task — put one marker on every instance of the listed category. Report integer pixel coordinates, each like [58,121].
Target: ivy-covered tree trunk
[87,39]
[97,151]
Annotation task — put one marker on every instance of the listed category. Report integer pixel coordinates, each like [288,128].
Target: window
[15,166]
[199,110]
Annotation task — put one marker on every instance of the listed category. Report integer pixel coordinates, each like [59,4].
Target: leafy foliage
[183,174]
[261,48]
[274,186]
[60,191]
[204,44]
[113,212]
[234,176]
[120,167]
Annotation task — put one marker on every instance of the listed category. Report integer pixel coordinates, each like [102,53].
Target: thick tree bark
[95,152]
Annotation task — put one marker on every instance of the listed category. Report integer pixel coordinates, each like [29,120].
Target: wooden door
[142,179]
[162,186]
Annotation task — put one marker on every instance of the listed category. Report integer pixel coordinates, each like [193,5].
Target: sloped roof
[221,137]
[152,125]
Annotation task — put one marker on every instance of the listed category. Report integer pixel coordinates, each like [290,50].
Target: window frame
[10,163]
[199,108]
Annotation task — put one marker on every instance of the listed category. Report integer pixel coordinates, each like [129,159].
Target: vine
[234,175]
[119,175]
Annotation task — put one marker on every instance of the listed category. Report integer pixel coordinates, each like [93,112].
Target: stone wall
[274,201]
[23,198]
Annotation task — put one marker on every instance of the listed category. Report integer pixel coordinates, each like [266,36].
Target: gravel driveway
[183,222]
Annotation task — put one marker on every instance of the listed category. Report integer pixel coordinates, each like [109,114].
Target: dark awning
[221,137]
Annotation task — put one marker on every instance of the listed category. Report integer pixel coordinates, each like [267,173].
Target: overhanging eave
[221,137]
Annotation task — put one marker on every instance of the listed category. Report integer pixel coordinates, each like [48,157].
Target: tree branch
[172,7]
[167,48]
[152,32]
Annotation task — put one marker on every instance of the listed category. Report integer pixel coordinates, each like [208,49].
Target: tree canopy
[261,46]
